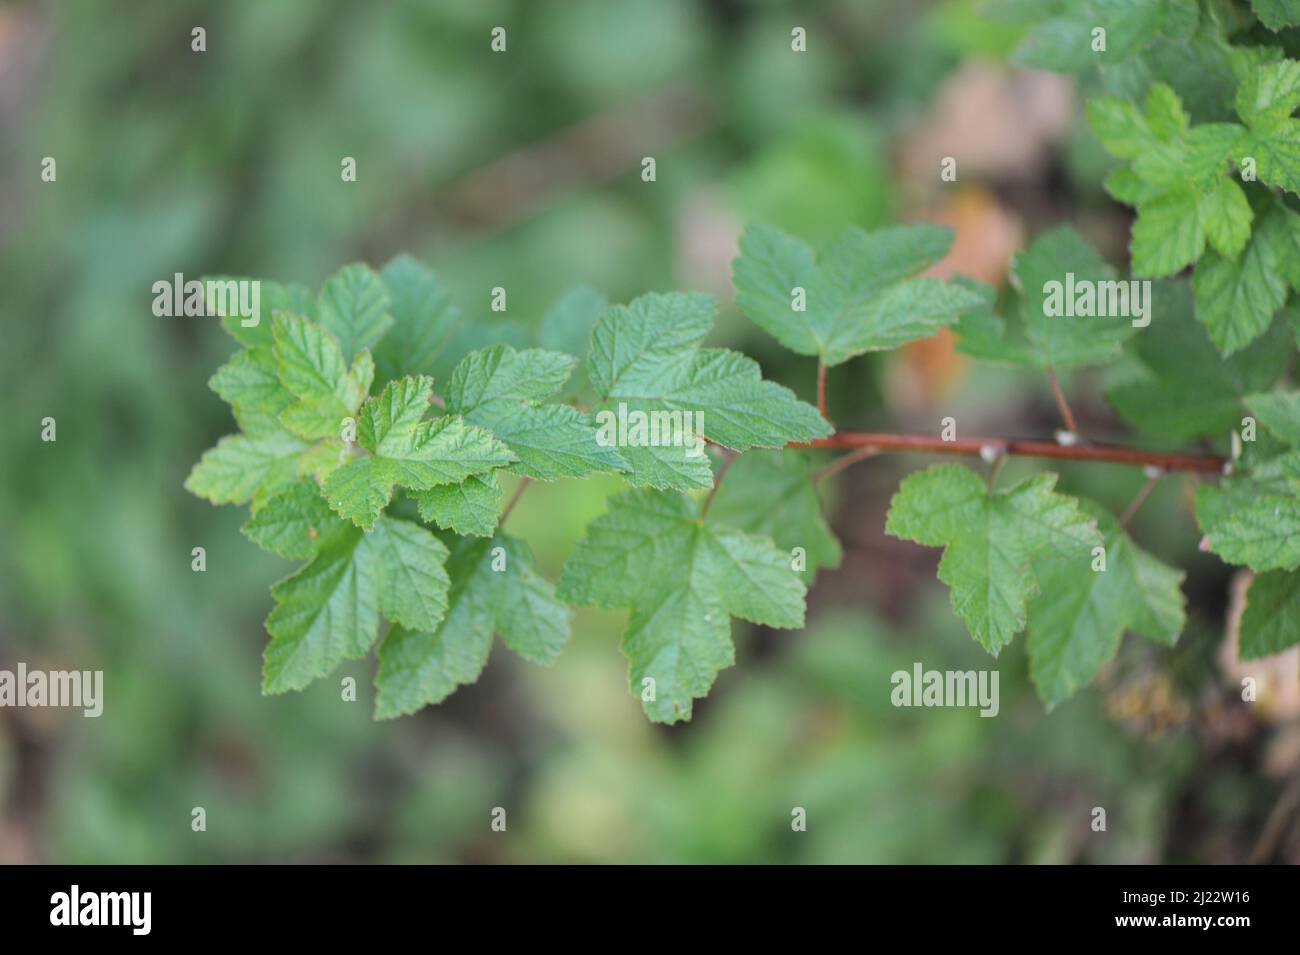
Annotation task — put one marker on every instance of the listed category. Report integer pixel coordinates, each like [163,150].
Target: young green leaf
[1081,612]
[862,294]
[412,583]
[1262,533]
[1237,298]
[470,507]
[646,358]
[273,297]
[1265,102]
[293,523]
[1075,311]
[1187,390]
[250,384]
[494,589]
[1279,411]
[313,370]
[683,580]
[403,449]
[424,319]
[328,611]
[353,307]
[1179,180]
[994,542]
[241,467]
[498,389]
[325,613]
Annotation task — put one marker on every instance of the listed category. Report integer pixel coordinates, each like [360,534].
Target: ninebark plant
[386,483]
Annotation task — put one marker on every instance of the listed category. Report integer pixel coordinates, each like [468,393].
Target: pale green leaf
[862,294]
[772,494]
[1271,622]
[494,589]
[682,580]
[470,507]
[291,523]
[995,543]
[1081,613]
[353,306]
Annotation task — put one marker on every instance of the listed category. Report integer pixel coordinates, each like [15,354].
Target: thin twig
[1143,493]
[514,499]
[1166,461]
[728,457]
[821,389]
[995,469]
[1061,403]
[844,461]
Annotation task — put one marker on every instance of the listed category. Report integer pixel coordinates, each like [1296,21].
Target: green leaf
[403,449]
[1265,100]
[1227,215]
[292,522]
[1262,533]
[328,611]
[982,333]
[1187,390]
[412,583]
[353,307]
[494,588]
[241,467]
[250,384]
[1271,622]
[273,297]
[683,580]
[1168,234]
[994,542]
[470,507]
[1237,299]
[646,357]
[1178,180]
[1080,614]
[567,325]
[325,613]
[1120,125]
[1060,274]
[498,389]
[772,494]
[1279,411]
[1060,34]
[424,320]
[312,369]
[862,294]
[1277,14]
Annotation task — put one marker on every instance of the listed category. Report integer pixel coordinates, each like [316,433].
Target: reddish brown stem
[1167,461]
[1066,414]
[727,457]
[514,499]
[821,390]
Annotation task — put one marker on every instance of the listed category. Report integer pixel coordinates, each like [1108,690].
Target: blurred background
[523,170]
